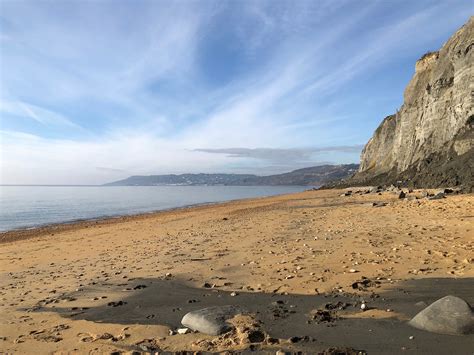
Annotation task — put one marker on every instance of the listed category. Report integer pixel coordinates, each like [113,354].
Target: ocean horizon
[31,206]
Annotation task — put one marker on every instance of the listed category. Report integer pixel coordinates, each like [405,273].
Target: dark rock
[336,306]
[116,304]
[342,351]
[323,316]
[295,339]
[256,336]
[272,341]
[402,195]
[365,283]
[448,315]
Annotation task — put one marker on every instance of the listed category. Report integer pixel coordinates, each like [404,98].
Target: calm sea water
[31,206]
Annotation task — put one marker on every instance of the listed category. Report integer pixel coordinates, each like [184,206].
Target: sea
[24,207]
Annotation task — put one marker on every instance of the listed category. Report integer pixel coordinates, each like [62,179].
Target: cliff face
[433,130]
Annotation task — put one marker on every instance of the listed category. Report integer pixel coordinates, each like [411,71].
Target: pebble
[183,330]
[363,306]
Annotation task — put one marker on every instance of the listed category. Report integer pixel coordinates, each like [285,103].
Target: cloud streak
[295,155]
[135,88]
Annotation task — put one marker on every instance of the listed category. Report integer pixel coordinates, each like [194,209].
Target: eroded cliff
[429,142]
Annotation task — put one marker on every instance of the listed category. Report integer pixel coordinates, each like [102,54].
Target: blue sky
[93,91]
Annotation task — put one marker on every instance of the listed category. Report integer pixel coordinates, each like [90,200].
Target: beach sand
[120,285]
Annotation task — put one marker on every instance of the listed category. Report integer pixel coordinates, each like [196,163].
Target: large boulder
[448,315]
[211,320]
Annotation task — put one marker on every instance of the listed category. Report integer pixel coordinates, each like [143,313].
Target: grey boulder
[448,315]
[211,320]
[438,196]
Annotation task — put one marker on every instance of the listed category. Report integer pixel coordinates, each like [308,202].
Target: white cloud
[36,113]
[90,55]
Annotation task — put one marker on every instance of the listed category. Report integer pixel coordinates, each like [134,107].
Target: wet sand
[292,261]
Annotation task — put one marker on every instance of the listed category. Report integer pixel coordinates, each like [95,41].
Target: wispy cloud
[280,155]
[36,113]
[140,81]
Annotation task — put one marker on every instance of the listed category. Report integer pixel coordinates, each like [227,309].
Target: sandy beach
[300,264]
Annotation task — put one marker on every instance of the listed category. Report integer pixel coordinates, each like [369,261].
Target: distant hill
[313,176]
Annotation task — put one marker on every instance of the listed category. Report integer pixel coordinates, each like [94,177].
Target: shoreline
[23,233]
[301,265]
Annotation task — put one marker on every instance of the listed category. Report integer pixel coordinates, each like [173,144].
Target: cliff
[429,141]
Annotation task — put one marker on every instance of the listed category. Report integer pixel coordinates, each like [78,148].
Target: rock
[323,316]
[379,204]
[376,189]
[448,315]
[256,336]
[438,196]
[182,330]
[211,320]
[402,195]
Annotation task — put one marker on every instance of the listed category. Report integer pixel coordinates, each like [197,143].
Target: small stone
[352,270]
[168,274]
[182,330]
[363,306]
[411,337]
[233,294]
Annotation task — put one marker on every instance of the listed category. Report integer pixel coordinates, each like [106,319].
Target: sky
[94,91]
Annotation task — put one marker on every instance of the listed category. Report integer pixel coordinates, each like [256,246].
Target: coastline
[22,233]
[123,284]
